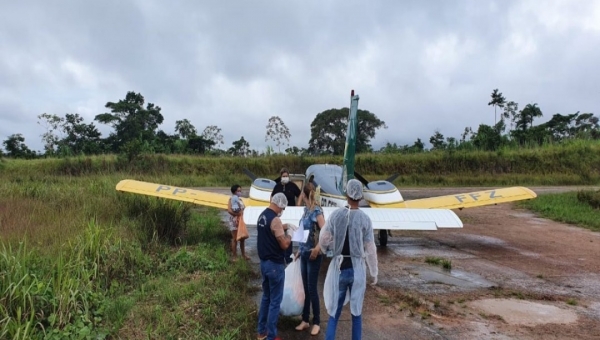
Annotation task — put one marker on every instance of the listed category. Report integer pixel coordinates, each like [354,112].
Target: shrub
[591,197]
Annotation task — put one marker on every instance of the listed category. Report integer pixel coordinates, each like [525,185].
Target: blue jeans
[273,275]
[346,281]
[310,277]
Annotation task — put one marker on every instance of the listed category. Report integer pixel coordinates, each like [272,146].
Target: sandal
[302,326]
[315,330]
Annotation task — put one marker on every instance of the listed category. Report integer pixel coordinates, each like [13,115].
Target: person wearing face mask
[273,237]
[348,236]
[292,193]
[236,210]
[288,188]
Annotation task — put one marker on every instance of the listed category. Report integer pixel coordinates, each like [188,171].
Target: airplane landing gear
[383,237]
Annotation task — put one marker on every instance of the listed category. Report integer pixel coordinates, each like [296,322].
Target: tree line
[136,123]
[514,129]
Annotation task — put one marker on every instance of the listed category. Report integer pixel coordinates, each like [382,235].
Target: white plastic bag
[293,290]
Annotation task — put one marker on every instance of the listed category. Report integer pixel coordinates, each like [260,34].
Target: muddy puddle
[453,277]
[520,312]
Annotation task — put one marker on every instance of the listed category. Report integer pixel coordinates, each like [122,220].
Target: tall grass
[79,260]
[44,297]
[576,162]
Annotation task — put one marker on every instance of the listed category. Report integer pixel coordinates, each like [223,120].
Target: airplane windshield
[326,175]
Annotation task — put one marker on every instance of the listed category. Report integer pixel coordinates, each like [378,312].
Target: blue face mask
[239,194]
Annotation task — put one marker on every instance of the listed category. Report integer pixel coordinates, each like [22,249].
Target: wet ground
[513,276]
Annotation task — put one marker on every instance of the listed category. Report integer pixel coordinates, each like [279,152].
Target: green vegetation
[136,123]
[438,261]
[579,208]
[78,260]
[572,163]
[447,264]
[433,260]
[572,302]
[589,197]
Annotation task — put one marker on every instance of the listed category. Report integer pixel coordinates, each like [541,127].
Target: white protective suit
[362,249]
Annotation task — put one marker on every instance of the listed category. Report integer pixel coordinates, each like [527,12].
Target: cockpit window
[327,176]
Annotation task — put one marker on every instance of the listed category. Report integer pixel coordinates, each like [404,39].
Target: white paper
[300,235]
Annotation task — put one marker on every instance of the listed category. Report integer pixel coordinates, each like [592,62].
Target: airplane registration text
[476,196]
[175,190]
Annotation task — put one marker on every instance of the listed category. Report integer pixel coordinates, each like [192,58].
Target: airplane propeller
[253,176]
[392,178]
[366,183]
[250,174]
[361,179]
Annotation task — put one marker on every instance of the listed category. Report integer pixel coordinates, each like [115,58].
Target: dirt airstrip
[513,276]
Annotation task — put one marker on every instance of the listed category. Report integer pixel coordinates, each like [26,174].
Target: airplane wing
[181,194]
[391,219]
[199,197]
[467,200]
[175,193]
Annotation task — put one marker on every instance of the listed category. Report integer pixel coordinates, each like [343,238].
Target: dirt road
[513,276]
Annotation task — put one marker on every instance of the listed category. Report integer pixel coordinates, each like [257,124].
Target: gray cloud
[418,66]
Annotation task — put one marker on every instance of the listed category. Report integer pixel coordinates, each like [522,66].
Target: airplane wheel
[383,238]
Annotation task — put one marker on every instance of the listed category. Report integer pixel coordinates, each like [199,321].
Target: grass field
[573,163]
[579,208]
[79,260]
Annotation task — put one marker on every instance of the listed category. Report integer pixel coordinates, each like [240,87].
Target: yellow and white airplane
[382,201]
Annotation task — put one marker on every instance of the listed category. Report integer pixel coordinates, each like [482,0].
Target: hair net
[279,200]
[354,189]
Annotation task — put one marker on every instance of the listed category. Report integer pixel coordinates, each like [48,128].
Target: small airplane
[382,201]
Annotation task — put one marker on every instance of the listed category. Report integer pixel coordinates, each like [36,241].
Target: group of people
[347,237]
[236,210]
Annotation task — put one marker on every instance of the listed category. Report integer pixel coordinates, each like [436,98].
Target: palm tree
[497,101]
[527,115]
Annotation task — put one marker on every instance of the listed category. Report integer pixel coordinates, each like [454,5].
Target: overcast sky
[417,65]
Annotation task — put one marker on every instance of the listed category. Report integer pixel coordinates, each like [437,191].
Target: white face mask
[285,180]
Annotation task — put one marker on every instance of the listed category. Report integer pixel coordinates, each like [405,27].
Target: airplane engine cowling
[261,189]
[382,192]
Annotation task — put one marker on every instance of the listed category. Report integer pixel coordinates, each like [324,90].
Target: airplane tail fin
[350,148]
